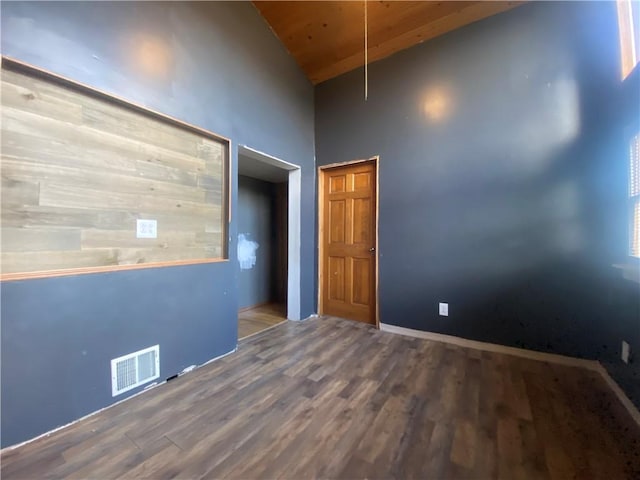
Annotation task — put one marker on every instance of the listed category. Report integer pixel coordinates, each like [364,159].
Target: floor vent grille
[134,369]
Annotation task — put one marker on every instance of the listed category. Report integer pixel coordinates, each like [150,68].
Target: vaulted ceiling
[327,38]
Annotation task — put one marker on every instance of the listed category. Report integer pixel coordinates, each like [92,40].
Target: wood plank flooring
[337,399]
[260,318]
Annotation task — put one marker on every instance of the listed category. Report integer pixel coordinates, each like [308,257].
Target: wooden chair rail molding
[81,167]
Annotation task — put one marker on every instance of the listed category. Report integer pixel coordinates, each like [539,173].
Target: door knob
[372,249]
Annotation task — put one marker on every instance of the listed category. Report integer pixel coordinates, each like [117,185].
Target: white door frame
[293,225]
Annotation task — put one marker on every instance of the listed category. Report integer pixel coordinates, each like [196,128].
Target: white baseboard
[593,365]
[626,402]
[270,327]
[493,347]
[216,358]
[144,390]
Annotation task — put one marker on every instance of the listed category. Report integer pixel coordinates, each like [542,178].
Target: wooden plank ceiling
[327,38]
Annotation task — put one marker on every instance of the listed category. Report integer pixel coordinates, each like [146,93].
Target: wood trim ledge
[8,277]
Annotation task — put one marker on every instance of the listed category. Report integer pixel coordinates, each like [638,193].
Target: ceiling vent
[134,369]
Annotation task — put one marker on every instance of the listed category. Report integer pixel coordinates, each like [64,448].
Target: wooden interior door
[348,242]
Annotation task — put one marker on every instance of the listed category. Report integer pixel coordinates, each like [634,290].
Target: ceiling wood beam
[327,38]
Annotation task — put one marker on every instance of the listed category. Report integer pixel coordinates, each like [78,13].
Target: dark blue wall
[224,71]
[256,211]
[502,180]
[511,208]
[621,299]
[58,337]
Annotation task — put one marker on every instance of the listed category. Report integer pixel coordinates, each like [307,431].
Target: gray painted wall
[223,70]
[502,180]
[256,203]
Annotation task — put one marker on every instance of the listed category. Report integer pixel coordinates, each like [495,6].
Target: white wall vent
[134,369]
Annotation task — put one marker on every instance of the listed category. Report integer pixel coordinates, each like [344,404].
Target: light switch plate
[443,309]
[146,228]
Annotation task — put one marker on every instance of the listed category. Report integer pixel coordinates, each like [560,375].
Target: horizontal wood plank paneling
[78,171]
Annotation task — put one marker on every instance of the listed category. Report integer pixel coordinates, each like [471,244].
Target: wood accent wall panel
[78,171]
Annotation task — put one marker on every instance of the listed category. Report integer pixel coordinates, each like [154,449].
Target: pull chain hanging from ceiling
[366,54]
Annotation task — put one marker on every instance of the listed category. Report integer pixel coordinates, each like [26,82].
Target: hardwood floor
[260,318]
[338,399]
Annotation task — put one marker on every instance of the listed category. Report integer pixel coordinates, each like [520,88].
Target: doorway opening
[268,243]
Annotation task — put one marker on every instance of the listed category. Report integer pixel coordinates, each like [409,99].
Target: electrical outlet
[444,309]
[625,352]
[146,228]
